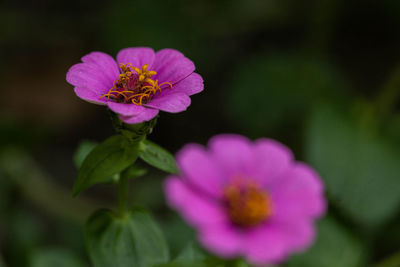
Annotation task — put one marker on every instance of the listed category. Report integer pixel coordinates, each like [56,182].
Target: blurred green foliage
[275,89]
[334,246]
[320,76]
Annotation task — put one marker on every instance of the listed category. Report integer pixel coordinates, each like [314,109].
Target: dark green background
[321,76]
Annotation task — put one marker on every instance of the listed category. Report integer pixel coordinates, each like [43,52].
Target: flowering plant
[245,199]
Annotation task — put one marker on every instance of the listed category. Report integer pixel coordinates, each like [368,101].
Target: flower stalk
[123,190]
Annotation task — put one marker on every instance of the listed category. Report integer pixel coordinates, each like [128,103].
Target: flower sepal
[134,132]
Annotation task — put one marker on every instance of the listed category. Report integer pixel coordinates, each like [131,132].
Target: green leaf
[157,156]
[55,257]
[83,150]
[110,157]
[133,240]
[334,246]
[360,170]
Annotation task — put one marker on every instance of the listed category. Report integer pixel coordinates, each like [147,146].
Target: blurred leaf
[187,264]
[109,158]
[157,156]
[83,150]
[360,170]
[133,171]
[392,261]
[269,90]
[132,240]
[55,257]
[177,232]
[334,246]
[22,232]
[190,253]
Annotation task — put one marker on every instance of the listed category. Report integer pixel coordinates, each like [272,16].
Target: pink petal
[146,115]
[137,56]
[233,155]
[222,239]
[104,63]
[125,109]
[299,234]
[87,75]
[171,66]
[89,96]
[298,193]
[191,85]
[197,210]
[265,245]
[199,170]
[173,102]
[271,158]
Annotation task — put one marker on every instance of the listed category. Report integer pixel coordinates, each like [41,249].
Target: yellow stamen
[248,204]
[170,84]
[134,85]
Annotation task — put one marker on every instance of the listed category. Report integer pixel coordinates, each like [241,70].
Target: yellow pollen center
[247,204]
[134,85]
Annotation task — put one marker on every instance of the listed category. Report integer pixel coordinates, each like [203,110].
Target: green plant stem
[122,194]
[392,261]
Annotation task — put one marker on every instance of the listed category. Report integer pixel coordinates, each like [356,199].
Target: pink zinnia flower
[138,84]
[249,199]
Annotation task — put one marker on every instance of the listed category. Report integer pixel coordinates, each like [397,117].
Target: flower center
[247,204]
[134,85]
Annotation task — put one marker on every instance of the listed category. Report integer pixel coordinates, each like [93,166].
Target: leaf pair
[114,156]
[131,240]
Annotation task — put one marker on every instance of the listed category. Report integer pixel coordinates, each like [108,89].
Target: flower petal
[191,85]
[265,245]
[233,155]
[298,193]
[146,115]
[104,63]
[199,170]
[299,234]
[196,209]
[88,95]
[125,109]
[86,75]
[171,66]
[137,56]
[173,102]
[271,158]
[222,239]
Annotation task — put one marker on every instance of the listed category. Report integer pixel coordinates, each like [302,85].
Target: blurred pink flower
[142,83]
[249,199]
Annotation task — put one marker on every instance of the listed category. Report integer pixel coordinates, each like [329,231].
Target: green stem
[392,261]
[122,194]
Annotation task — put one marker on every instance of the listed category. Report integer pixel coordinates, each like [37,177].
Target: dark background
[321,76]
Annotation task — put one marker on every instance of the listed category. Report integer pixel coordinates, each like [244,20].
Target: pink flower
[141,84]
[249,199]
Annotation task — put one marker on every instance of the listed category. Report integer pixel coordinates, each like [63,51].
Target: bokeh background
[321,76]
